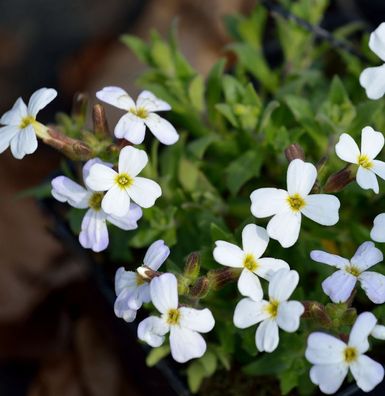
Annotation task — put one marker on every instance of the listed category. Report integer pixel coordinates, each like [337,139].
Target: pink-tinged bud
[100,121]
[192,266]
[79,106]
[294,151]
[200,288]
[316,311]
[147,274]
[220,277]
[337,181]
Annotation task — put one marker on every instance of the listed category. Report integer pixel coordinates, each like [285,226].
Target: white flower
[183,323]
[21,127]
[378,332]
[287,207]
[378,230]
[132,125]
[131,289]
[373,78]
[124,185]
[254,244]
[340,285]
[276,313]
[94,232]
[332,358]
[372,143]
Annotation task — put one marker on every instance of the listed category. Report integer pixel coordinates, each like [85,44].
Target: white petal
[122,311]
[379,168]
[367,179]
[152,331]
[94,232]
[372,142]
[131,128]
[117,97]
[254,240]
[329,259]
[156,255]
[328,377]
[162,129]
[361,330]
[100,177]
[201,320]
[186,344]
[66,190]
[87,166]
[144,192]
[267,337]
[285,227]
[374,286]
[25,142]
[378,332]
[367,373]
[266,202]
[151,103]
[301,177]
[138,296]
[40,99]
[366,256]
[116,202]
[250,286]
[289,313]
[283,284]
[124,280]
[267,267]
[132,161]
[16,114]
[377,41]
[347,149]
[129,221]
[324,349]
[164,292]
[339,286]
[378,230]
[322,208]
[228,254]
[248,313]
[373,80]
[7,133]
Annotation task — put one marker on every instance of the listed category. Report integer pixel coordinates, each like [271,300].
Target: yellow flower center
[173,316]
[140,112]
[250,263]
[95,201]
[272,308]
[123,180]
[139,280]
[296,202]
[28,120]
[350,354]
[364,161]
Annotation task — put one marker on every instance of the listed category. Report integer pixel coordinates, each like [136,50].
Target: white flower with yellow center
[287,207]
[254,244]
[94,232]
[340,285]
[184,324]
[276,313]
[372,143]
[333,358]
[124,185]
[132,125]
[21,127]
[373,78]
[130,287]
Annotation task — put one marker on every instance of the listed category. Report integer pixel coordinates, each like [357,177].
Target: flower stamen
[296,202]
[173,316]
[364,161]
[351,269]
[250,263]
[140,112]
[272,308]
[123,180]
[26,121]
[350,354]
[95,201]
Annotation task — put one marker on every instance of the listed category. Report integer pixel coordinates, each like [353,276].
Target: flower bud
[315,310]
[200,288]
[100,121]
[337,181]
[79,106]
[146,273]
[192,267]
[220,277]
[294,151]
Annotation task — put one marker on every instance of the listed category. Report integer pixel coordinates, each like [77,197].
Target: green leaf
[227,111]
[75,217]
[218,233]
[188,174]
[209,362]
[196,92]
[157,354]
[162,57]
[214,87]
[195,375]
[199,146]
[287,381]
[38,192]
[138,47]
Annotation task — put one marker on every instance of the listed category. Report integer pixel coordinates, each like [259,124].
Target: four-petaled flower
[340,285]
[372,143]
[332,358]
[132,126]
[130,287]
[183,323]
[254,244]
[276,313]
[124,185]
[94,232]
[287,207]
[21,127]
[373,78]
